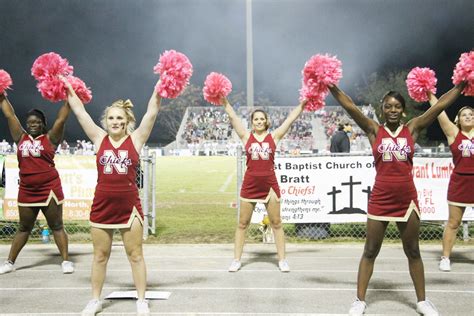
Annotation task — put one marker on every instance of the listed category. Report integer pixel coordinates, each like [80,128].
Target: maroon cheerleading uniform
[39,179]
[461,183]
[116,200]
[260,179]
[394,195]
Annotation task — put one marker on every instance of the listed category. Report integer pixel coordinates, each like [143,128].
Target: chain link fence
[299,232]
[79,230]
[429,231]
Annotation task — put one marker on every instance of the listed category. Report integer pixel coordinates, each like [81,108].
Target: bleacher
[207,130]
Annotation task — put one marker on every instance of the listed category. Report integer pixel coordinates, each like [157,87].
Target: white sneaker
[445,264]
[283,265]
[426,308]
[235,265]
[142,308]
[6,267]
[357,308]
[67,266]
[93,307]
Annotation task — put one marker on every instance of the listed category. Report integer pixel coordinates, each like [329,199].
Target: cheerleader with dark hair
[40,187]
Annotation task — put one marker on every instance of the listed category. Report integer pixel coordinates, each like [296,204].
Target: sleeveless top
[393,154]
[117,167]
[35,155]
[260,155]
[463,154]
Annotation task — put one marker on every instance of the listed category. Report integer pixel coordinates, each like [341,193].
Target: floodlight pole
[249,38]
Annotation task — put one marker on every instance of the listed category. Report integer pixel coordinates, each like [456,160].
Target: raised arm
[280,132]
[236,123]
[142,133]
[94,132]
[56,133]
[369,126]
[418,123]
[449,128]
[16,130]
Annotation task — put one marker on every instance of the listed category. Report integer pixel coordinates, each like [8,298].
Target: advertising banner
[78,177]
[336,189]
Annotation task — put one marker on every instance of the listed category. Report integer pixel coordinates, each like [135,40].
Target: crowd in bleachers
[6,148]
[206,124]
[207,130]
[331,117]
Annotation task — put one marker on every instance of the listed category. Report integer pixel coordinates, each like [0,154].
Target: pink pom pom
[319,72]
[315,101]
[5,81]
[50,65]
[174,69]
[46,69]
[314,104]
[52,89]
[216,87]
[82,91]
[464,72]
[419,82]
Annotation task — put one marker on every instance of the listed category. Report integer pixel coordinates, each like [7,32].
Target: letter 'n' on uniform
[110,161]
[260,151]
[390,149]
[31,148]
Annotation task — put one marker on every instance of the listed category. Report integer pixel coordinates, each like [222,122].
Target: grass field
[194,197]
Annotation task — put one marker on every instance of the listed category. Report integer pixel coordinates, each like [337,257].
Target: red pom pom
[5,81]
[83,92]
[174,69]
[464,72]
[419,82]
[319,72]
[50,65]
[216,87]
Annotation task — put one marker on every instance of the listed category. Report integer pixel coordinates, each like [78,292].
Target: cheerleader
[40,187]
[260,184]
[394,196]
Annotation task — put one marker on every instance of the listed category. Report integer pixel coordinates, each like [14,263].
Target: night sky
[113,45]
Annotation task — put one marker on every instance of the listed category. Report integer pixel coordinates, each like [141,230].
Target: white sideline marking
[233,289]
[290,258]
[227,182]
[175,313]
[256,270]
